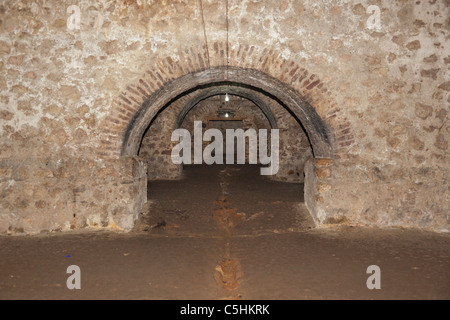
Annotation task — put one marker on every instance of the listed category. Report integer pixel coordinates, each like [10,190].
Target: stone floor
[225,232]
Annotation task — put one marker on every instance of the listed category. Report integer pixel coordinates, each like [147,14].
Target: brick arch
[232,90]
[302,92]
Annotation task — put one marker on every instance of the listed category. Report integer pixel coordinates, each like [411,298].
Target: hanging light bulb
[227,98]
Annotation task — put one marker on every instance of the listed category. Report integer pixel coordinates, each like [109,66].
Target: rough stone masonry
[359,89]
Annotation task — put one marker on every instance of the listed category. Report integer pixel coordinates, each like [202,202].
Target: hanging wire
[228,51]
[206,39]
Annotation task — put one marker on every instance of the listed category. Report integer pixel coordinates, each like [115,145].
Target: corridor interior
[114,121]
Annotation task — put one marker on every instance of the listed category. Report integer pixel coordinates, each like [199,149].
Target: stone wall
[156,146]
[64,194]
[372,95]
[389,195]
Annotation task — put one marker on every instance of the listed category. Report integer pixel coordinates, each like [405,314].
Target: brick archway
[316,129]
[301,91]
[318,132]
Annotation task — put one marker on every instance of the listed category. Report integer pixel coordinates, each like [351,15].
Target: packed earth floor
[226,232]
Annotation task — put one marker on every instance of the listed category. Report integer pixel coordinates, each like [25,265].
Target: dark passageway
[259,205]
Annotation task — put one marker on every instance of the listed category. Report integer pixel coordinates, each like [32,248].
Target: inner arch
[232,90]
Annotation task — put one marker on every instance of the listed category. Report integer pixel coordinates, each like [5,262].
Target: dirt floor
[225,232]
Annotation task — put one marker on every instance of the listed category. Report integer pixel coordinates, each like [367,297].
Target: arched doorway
[247,83]
[301,93]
